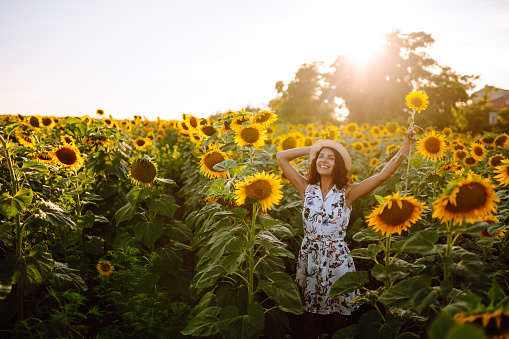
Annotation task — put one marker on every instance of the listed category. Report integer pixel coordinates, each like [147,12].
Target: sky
[164,58]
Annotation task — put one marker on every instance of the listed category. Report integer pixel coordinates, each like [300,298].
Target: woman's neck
[326,183]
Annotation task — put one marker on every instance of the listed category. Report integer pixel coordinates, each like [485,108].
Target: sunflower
[308,141]
[43,158]
[432,146]
[207,130]
[496,160]
[237,122]
[351,128]
[195,136]
[459,155]
[396,214]
[252,135]
[99,112]
[359,136]
[477,151]
[266,188]
[417,101]
[353,178]
[141,143]
[209,160]
[485,234]
[376,131]
[458,146]
[501,141]
[67,139]
[447,131]
[292,140]
[488,140]
[468,198]
[34,121]
[96,139]
[192,121]
[68,156]
[331,133]
[373,162]
[183,127]
[358,147]
[374,143]
[493,323]
[104,267]
[470,161]
[143,171]
[264,118]
[449,166]
[48,122]
[24,138]
[392,127]
[503,172]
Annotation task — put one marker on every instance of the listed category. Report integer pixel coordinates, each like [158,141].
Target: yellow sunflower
[68,156]
[396,214]
[358,147]
[392,127]
[195,136]
[353,178]
[191,121]
[48,122]
[43,158]
[447,132]
[503,172]
[143,171]
[449,166]
[493,323]
[141,143]
[265,188]
[67,139]
[417,100]
[496,160]
[24,138]
[432,146]
[104,267]
[308,141]
[376,131]
[251,135]
[331,133]
[485,234]
[310,128]
[488,140]
[99,112]
[459,155]
[289,141]
[209,160]
[470,160]
[374,143]
[458,146]
[207,130]
[359,136]
[264,118]
[373,162]
[470,198]
[351,128]
[183,127]
[239,120]
[34,121]
[501,141]
[477,151]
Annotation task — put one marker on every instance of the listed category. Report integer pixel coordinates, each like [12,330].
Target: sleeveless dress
[322,257]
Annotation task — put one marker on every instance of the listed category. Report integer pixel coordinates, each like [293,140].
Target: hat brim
[334,145]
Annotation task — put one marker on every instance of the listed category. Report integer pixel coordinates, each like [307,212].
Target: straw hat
[334,145]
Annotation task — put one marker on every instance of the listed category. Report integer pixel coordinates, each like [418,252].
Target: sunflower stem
[252,230]
[387,258]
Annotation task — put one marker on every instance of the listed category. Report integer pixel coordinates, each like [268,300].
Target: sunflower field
[187,228]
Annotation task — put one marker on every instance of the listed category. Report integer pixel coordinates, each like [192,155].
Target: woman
[328,199]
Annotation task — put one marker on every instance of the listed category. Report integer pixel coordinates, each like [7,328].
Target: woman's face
[325,162]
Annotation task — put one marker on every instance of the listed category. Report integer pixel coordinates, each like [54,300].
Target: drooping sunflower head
[209,160]
[143,171]
[24,137]
[432,146]
[68,156]
[503,172]
[44,158]
[501,141]
[239,120]
[469,198]
[396,214]
[264,188]
[250,135]
[417,100]
[487,140]
[449,166]
[104,267]
[264,118]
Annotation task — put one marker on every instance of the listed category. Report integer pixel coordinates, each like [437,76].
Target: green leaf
[124,239]
[94,245]
[233,326]
[225,165]
[148,232]
[349,332]
[277,249]
[496,293]
[401,293]
[423,298]
[164,205]
[55,215]
[176,283]
[369,253]
[32,165]
[276,324]
[369,324]
[125,213]
[232,261]
[179,232]
[282,289]
[204,323]
[348,283]
[87,220]
[136,194]
[62,275]
[226,294]
[368,234]
[12,205]
[207,277]
[475,228]
[169,260]
[466,264]
[394,273]
[422,242]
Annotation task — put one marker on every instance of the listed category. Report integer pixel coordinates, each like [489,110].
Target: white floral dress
[322,256]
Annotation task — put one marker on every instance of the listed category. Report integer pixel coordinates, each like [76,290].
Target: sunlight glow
[362,47]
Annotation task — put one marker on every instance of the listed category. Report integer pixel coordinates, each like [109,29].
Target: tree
[303,100]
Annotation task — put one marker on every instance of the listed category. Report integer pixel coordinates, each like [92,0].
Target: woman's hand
[410,139]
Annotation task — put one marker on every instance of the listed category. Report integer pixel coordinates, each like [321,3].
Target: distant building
[499,99]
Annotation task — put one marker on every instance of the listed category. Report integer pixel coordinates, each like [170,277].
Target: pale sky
[165,58]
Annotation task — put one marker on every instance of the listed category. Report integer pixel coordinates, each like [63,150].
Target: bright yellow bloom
[250,135]
[265,188]
[209,160]
[417,100]
[432,146]
[68,156]
[104,267]
[503,172]
[143,171]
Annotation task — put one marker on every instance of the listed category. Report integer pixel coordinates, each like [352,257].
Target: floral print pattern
[322,256]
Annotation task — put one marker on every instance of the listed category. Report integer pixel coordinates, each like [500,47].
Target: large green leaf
[368,234]
[424,298]
[12,205]
[276,324]
[148,232]
[177,282]
[163,205]
[226,294]
[369,324]
[369,253]
[126,212]
[55,215]
[394,273]
[63,275]
[400,294]
[349,332]
[179,232]
[208,276]
[282,289]
[348,283]
[123,239]
[465,264]
[93,245]
[204,323]
[422,242]
[277,249]
[169,260]
[231,262]
[250,325]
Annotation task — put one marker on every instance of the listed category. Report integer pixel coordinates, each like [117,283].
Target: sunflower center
[469,198]
[143,171]
[212,159]
[262,118]
[259,189]
[470,161]
[67,140]
[497,160]
[352,129]
[331,135]
[395,216]
[34,122]
[193,122]
[478,151]
[461,154]
[140,142]
[250,135]
[499,141]
[432,145]
[66,156]
[417,102]
[289,143]
[208,130]
[44,156]
[46,121]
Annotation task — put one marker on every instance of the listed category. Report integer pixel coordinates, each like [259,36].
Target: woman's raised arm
[296,179]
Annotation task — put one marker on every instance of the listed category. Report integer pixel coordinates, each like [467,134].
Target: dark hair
[340,174]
